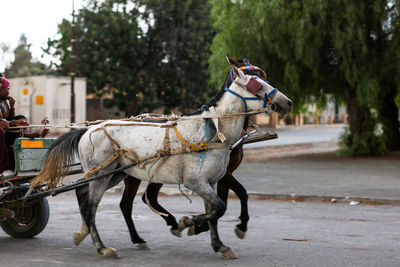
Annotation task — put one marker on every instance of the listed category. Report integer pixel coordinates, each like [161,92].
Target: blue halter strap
[242,98]
[267,100]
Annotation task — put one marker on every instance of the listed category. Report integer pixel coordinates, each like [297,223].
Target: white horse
[163,154]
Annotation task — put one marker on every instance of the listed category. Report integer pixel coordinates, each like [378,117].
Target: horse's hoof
[77,238]
[143,246]
[228,253]
[109,253]
[192,230]
[182,223]
[239,233]
[176,232]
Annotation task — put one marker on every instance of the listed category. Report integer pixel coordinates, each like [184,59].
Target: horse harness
[253,86]
[164,153]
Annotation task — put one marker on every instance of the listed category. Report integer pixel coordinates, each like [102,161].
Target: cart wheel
[28,221]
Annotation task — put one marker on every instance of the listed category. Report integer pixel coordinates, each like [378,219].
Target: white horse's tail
[60,155]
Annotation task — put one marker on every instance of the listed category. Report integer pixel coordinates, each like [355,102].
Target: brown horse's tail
[60,154]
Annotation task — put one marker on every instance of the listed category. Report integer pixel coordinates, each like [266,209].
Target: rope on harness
[149,182]
[130,155]
[144,120]
[183,193]
[118,153]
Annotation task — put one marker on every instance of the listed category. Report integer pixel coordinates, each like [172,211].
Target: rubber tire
[39,217]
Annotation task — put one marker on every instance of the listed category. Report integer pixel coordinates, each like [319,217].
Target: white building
[48,96]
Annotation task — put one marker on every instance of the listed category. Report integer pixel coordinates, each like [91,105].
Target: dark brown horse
[223,185]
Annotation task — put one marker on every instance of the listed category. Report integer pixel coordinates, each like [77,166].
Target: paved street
[291,135]
[280,234]
[322,175]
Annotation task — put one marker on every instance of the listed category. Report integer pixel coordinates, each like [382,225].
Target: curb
[353,201]
[284,151]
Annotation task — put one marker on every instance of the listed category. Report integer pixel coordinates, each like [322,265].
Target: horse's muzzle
[275,107]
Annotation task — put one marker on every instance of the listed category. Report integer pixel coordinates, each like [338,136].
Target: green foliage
[110,53]
[23,64]
[180,34]
[277,37]
[314,48]
[149,53]
[368,144]
[397,100]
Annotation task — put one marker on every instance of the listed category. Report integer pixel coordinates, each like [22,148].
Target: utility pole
[73,64]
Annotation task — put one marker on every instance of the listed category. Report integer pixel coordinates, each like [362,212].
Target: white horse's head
[257,93]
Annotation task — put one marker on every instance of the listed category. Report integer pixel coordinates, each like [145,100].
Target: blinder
[253,86]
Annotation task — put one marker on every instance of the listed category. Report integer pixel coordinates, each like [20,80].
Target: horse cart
[24,211]
[19,217]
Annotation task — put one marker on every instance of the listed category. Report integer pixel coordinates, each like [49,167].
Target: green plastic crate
[29,153]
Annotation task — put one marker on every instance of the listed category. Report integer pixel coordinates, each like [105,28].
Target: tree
[318,47]
[111,53]
[149,53]
[179,36]
[5,50]
[365,33]
[23,64]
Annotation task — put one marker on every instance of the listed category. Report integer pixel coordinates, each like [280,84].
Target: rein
[140,120]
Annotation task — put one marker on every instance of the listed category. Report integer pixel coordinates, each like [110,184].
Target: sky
[37,19]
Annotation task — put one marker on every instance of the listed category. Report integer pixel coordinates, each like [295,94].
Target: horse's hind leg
[152,192]
[131,187]
[82,195]
[215,209]
[88,212]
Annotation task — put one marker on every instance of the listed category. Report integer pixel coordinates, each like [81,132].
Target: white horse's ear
[238,72]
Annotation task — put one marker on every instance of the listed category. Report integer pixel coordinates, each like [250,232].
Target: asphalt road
[280,234]
[323,174]
[301,135]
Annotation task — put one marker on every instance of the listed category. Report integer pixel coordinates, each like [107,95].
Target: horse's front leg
[215,209]
[131,187]
[227,252]
[222,192]
[152,193]
[223,186]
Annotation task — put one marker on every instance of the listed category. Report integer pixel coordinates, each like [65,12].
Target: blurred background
[336,60]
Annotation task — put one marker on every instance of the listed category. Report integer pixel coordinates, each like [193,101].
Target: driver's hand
[20,122]
[45,121]
[45,132]
[4,124]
